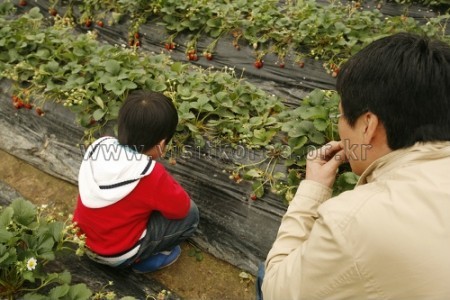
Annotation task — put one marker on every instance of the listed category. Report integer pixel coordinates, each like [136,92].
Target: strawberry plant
[31,237]
[29,240]
[329,32]
[433,3]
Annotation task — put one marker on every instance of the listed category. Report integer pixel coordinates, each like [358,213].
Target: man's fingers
[336,160]
[326,152]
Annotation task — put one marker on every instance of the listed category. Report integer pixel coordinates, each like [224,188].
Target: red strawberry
[23,3]
[88,23]
[236,177]
[208,55]
[169,46]
[28,105]
[335,71]
[136,35]
[253,197]
[258,64]
[18,104]
[100,23]
[193,56]
[282,65]
[52,11]
[39,112]
[301,64]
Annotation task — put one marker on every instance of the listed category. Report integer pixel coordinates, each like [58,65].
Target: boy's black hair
[404,79]
[145,119]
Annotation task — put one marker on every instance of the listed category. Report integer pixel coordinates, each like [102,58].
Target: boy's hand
[322,164]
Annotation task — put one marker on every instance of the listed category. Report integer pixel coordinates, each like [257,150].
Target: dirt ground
[190,278]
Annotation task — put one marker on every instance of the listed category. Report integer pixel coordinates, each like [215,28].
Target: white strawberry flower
[31,264]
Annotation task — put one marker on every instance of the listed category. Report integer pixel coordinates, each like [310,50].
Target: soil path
[208,279]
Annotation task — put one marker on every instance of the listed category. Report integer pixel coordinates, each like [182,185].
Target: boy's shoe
[157,261]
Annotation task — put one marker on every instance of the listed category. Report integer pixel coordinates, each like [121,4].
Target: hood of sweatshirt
[110,171]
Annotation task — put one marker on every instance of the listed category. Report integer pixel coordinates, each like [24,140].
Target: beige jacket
[389,238]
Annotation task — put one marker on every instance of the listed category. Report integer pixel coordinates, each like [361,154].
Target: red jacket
[115,228]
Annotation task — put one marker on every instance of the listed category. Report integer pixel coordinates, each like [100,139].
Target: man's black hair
[404,79]
[145,119]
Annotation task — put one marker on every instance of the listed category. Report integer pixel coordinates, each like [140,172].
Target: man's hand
[322,164]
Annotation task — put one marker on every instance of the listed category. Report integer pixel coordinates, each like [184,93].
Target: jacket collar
[395,159]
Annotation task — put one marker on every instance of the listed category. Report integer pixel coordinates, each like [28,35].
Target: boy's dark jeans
[164,234]
[259,281]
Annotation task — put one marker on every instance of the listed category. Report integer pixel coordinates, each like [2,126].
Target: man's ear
[370,124]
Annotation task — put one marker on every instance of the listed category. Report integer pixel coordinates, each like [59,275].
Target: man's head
[146,120]
[404,80]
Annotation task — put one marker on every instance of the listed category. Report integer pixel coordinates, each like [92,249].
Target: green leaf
[192,127]
[115,87]
[43,53]
[35,14]
[129,85]
[156,86]
[98,114]
[221,96]
[314,112]
[258,188]
[349,177]
[6,8]
[6,217]
[186,116]
[341,27]
[316,97]
[50,255]
[345,181]
[59,291]
[65,277]
[99,101]
[279,175]
[24,211]
[28,275]
[320,124]
[293,178]
[199,257]
[112,67]
[80,52]
[253,173]
[316,137]
[5,235]
[113,109]
[3,255]
[34,296]
[79,292]
[45,244]
[214,22]
[178,67]
[297,142]
[300,129]
[51,67]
